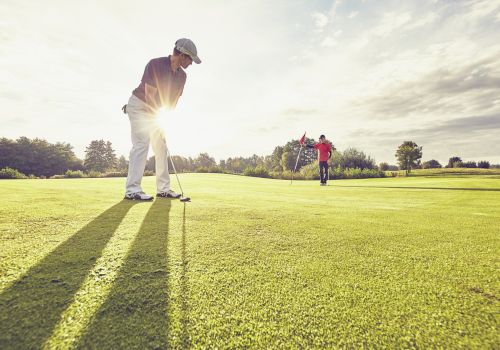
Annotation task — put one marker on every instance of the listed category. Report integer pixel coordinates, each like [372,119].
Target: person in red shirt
[324,153]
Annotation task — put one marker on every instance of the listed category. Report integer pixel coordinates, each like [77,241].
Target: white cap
[187,47]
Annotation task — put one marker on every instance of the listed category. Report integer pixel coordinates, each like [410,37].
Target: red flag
[302,139]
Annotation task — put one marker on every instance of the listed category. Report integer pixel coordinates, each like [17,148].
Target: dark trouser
[323,171]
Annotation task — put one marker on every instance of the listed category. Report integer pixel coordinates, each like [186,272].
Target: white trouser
[145,129]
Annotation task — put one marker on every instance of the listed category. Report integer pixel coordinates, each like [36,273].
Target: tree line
[409,156]
[39,158]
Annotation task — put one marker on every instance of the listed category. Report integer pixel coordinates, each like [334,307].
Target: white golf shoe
[168,194]
[139,196]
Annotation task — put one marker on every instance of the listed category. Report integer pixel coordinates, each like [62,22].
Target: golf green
[251,263]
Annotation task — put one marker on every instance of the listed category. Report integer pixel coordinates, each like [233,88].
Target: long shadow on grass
[135,315]
[429,188]
[32,306]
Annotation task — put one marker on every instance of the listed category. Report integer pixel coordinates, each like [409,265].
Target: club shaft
[175,171]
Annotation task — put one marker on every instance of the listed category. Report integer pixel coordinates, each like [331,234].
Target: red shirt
[323,149]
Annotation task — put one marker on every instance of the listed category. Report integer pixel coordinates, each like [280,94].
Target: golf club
[182,199]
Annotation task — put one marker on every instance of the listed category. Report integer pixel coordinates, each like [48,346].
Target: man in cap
[324,153]
[161,86]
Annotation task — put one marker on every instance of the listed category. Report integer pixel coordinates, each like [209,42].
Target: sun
[161,118]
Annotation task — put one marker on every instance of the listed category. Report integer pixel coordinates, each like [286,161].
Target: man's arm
[309,146]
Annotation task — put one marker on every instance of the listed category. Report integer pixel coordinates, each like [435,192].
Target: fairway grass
[251,263]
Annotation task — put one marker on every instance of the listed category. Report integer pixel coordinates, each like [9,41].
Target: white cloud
[476,10]
[353,14]
[425,20]
[334,7]
[320,20]
[328,42]
[391,22]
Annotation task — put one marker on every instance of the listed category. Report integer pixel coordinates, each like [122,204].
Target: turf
[441,172]
[251,263]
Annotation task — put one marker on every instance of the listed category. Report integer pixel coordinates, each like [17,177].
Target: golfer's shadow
[135,314]
[32,306]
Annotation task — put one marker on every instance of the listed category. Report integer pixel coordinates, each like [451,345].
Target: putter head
[185,199]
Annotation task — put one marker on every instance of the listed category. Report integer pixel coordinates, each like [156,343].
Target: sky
[368,74]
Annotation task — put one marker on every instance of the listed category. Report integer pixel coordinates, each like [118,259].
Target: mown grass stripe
[97,285]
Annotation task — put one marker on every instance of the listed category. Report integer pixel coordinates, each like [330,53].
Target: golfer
[324,153]
[161,86]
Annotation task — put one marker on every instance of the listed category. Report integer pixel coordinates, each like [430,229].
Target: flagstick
[296,162]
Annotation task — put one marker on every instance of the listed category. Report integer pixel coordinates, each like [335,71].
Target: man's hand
[124,109]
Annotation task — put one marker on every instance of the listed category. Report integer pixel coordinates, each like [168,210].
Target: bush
[310,171]
[149,173]
[201,169]
[355,173]
[353,158]
[210,169]
[258,171]
[57,177]
[9,173]
[249,171]
[383,166]
[431,164]
[73,174]
[115,174]
[470,164]
[484,164]
[214,169]
[94,174]
[452,161]
[286,175]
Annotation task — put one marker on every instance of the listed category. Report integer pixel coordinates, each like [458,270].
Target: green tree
[469,164]
[336,161]
[353,158]
[383,166]
[222,164]
[276,157]
[431,164]
[291,151]
[99,156]
[151,164]
[181,164]
[204,160]
[452,161]
[122,164]
[287,161]
[483,164]
[408,156]
[37,156]
[110,156]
